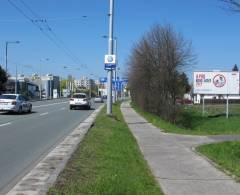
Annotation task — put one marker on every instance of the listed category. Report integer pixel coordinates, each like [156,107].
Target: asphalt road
[26,138]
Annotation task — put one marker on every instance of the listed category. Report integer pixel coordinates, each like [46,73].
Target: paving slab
[172,160]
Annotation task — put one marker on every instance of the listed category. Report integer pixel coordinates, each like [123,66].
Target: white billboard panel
[216,83]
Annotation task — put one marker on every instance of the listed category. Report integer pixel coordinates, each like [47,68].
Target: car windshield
[79,96]
[11,97]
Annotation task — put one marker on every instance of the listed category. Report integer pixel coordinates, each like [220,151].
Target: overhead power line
[45,29]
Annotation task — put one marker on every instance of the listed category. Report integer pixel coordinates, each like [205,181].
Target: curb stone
[44,174]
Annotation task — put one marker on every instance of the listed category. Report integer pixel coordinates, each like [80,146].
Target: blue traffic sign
[110,66]
[103,79]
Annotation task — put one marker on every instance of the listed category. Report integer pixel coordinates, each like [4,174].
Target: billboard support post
[203,105]
[227,110]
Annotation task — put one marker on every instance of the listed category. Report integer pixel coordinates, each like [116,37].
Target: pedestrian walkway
[175,165]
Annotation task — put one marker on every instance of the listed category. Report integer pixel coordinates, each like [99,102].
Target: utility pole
[16,80]
[6,57]
[110,52]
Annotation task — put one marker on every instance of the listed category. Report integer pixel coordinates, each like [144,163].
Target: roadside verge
[108,161]
[40,178]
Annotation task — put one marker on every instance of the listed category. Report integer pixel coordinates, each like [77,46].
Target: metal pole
[6,56]
[6,52]
[97,89]
[110,52]
[203,105]
[16,81]
[40,79]
[90,89]
[50,87]
[227,110]
[115,84]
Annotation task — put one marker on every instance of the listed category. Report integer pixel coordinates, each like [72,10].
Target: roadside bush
[156,71]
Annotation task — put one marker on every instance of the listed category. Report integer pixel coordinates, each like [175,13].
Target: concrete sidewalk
[177,168]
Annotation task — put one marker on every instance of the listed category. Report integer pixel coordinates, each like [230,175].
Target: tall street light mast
[110,52]
[115,71]
[6,51]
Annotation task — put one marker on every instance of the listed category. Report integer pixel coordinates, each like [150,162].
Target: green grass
[108,161]
[192,122]
[225,154]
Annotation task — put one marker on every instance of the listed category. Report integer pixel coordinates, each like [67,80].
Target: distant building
[84,83]
[47,84]
[24,85]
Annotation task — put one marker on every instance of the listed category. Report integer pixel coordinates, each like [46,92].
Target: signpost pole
[227,110]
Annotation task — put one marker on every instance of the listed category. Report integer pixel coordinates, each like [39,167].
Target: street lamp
[7,43]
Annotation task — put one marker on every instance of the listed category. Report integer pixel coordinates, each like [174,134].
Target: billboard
[216,83]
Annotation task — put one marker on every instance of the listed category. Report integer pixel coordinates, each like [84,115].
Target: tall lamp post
[110,52]
[6,51]
[114,71]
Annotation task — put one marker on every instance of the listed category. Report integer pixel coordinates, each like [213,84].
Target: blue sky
[214,32]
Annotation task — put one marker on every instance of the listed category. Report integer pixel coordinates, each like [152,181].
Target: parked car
[104,97]
[79,100]
[98,99]
[14,103]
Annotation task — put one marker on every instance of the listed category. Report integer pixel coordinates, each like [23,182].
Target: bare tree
[156,68]
[233,5]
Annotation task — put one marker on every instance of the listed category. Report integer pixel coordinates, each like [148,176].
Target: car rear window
[11,97]
[79,96]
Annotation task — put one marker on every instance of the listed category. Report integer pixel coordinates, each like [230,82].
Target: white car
[14,103]
[98,99]
[79,100]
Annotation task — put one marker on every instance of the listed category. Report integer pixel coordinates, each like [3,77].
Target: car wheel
[20,110]
[30,109]
[70,107]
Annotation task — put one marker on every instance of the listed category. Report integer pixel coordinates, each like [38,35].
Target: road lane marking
[45,113]
[5,124]
[46,105]
[62,108]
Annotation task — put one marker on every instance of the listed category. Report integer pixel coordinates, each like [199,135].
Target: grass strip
[108,161]
[192,123]
[225,154]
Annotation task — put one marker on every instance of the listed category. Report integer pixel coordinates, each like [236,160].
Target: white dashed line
[62,108]
[5,124]
[46,105]
[45,113]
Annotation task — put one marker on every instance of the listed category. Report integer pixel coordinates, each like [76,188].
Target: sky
[64,37]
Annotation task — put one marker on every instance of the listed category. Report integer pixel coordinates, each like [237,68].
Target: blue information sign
[110,66]
[103,79]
